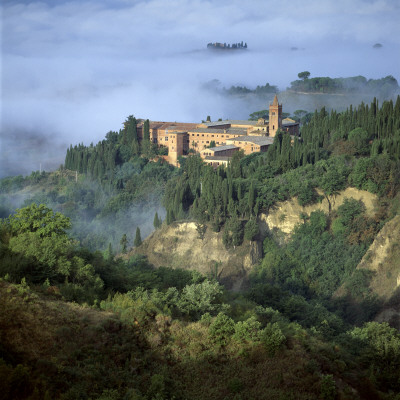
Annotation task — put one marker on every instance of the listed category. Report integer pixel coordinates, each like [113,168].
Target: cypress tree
[156,221]
[110,253]
[138,239]
[251,197]
[123,242]
[146,130]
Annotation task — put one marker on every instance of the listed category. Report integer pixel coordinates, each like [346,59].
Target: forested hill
[80,323]
[359,147]
[108,189]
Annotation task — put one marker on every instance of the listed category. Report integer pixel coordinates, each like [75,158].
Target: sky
[73,70]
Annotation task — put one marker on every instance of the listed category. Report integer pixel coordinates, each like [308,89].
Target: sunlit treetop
[39,219]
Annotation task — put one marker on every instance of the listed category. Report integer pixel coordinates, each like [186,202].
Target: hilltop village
[216,142]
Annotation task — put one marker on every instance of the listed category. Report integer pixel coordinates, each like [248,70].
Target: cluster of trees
[263,90]
[386,86]
[107,190]
[320,158]
[99,161]
[228,46]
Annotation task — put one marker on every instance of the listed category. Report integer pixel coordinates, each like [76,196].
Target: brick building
[224,137]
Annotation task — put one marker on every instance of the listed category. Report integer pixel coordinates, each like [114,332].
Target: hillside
[86,316]
[381,267]
[284,216]
[67,351]
[383,258]
[179,246]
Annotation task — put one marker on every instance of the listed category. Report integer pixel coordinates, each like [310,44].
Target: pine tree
[138,239]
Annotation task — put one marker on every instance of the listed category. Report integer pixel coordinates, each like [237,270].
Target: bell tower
[275,117]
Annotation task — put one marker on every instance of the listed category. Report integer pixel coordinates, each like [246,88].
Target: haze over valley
[73,71]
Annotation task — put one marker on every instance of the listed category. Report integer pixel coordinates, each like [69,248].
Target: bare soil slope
[178,246]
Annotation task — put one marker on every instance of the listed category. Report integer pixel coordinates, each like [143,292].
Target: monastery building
[228,136]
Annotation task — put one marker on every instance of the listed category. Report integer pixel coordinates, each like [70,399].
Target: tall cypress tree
[138,238]
[157,221]
[123,242]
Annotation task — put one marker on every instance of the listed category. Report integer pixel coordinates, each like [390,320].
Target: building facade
[219,139]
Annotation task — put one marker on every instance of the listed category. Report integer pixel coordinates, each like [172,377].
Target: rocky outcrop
[179,246]
[383,257]
[286,215]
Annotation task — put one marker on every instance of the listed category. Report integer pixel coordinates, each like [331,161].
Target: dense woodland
[384,87]
[82,320]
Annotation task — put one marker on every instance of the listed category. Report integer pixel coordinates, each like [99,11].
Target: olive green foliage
[378,347]
[157,221]
[124,243]
[272,338]
[328,388]
[314,262]
[39,249]
[248,331]
[385,86]
[138,238]
[222,329]
[191,302]
[265,90]
[251,229]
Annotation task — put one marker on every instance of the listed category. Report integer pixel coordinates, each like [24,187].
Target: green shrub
[273,338]
[247,331]
[221,329]
[328,388]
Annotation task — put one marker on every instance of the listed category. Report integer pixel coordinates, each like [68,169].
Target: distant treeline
[259,90]
[384,86]
[224,46]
